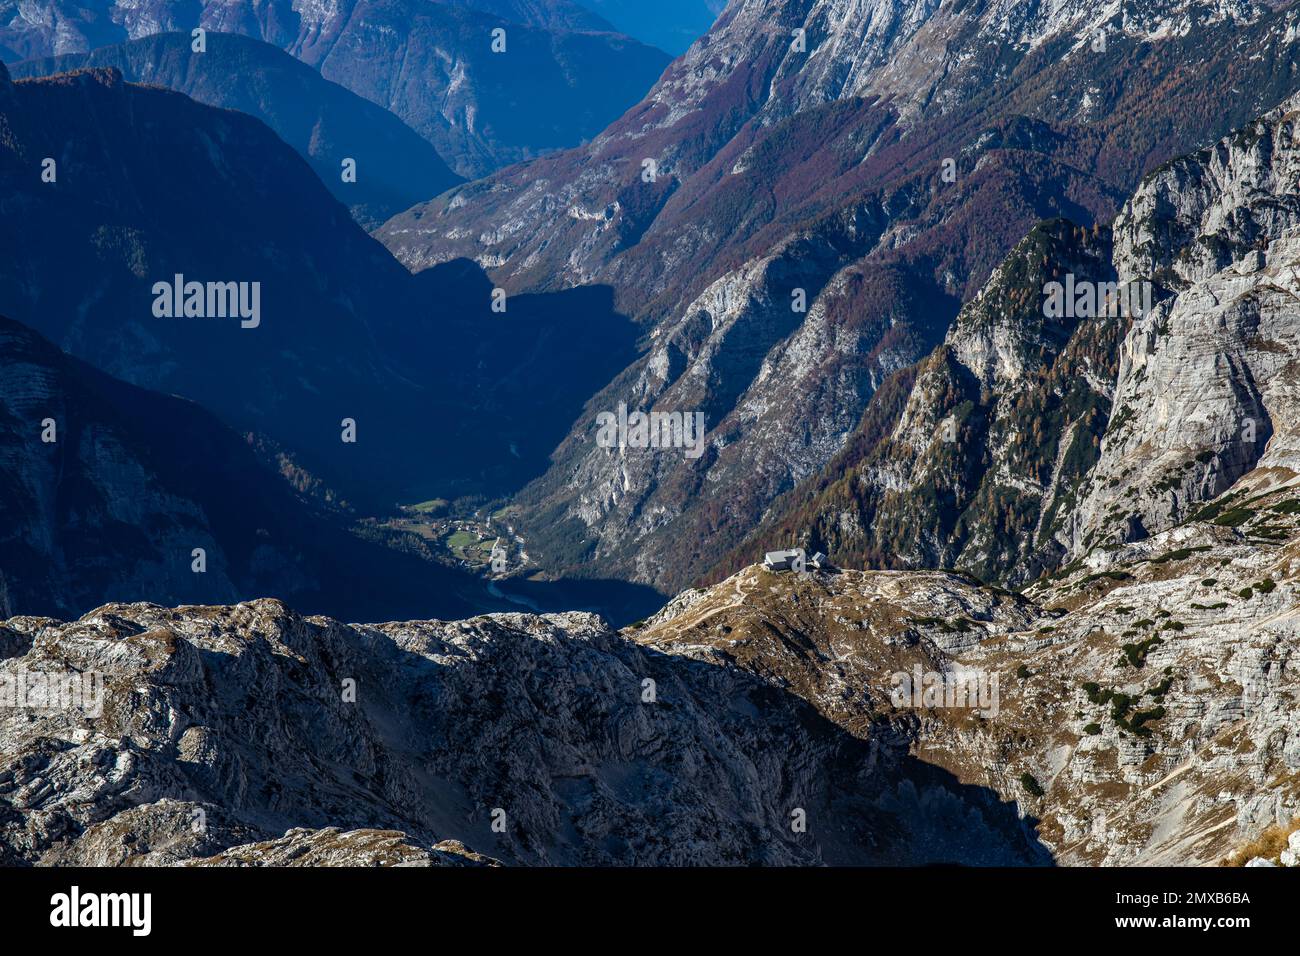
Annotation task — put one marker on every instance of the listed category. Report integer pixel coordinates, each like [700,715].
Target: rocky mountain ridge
[1143,711]
[1205,391]
[531,739]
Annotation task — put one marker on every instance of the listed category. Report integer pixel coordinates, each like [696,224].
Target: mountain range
[992,304]
[563,74]
[1127,693]
[328,125]
[832,182]
[1082,434]
[149,185]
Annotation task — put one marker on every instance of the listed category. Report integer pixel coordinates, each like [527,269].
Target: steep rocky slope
[981,465]
[1206,390]
[1150,694]
[877,177]
[329,847]
[325,123]
[883,90]
[551,14]
[564,75]
[1120,434]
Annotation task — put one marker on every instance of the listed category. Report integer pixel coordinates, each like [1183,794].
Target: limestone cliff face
[1206,385]
[979,462]
[1100,430]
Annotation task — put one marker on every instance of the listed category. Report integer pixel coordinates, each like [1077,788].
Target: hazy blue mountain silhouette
[323,121]
[447,395]
[563,76]
[671,25]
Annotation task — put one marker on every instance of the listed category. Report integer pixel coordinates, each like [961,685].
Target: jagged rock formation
[1206,386]
[781,172]
[531,739]
[325,123]
[981,466]
[564,76]
[1144,712]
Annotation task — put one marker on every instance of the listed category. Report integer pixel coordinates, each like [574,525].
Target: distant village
[476,542]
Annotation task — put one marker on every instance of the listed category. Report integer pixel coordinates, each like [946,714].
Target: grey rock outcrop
[1205,388]
[331,847]
[531,739]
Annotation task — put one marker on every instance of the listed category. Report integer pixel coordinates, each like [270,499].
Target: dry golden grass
[1268,844]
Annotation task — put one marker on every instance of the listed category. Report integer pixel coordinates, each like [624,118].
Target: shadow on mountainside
[289,320]
[621,603]
[515,381]
[131,482]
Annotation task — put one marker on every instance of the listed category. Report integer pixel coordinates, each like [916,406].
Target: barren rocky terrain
[1145,712]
